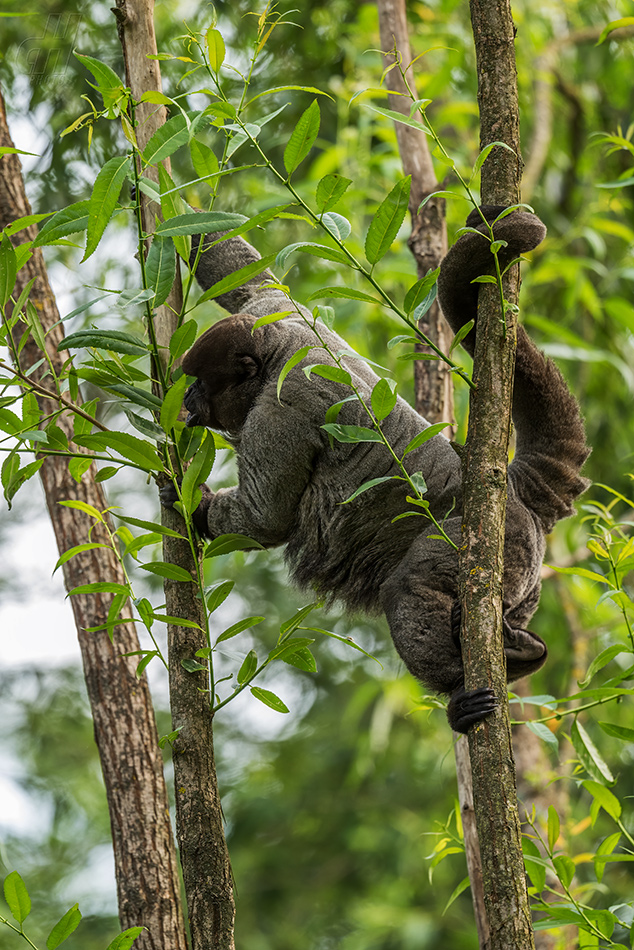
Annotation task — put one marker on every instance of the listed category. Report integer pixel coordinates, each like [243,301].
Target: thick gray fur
[292,481]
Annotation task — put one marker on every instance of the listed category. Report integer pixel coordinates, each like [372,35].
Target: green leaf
[114,340]
[103,201]
[172,205]
[301,658]
[329,190]
[602,660]
[337,225]
[226,543]
[218,595]
[553,827]
[173,403]
[183,338]
[425,436]
[352,433]
[589,755]
[203,159]
[290,363]
[160,268]
[216,47]
[387,221]
[100,587]
[8,269]
[140,397]
[348,292]
[145,426]
[237,628]
[172,572]
[543,732]
[138,451]
[484,154]
[126,938]
[248,668]
[604,798]
[580,572]
[169,137]
[535,864]
[399,117]
[237,278]
[105,76]
[269,699]
[457,891]
[615,25]
[309,247]
[564,869]
[193,666]
[302,137]
[419,291]
[197,473]
[201,222]
[17,896]
[77,549]
[149,526]
[626,733]
[326,371]
[383,398]
[64,927]
[366,485]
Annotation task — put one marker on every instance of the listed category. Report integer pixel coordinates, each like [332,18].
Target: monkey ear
[249,366]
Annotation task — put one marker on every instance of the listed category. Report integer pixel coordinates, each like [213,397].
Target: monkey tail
[551,444]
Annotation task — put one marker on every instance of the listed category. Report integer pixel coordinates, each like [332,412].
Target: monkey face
[228,371]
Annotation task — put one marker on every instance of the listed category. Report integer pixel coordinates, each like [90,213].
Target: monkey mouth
[192,419]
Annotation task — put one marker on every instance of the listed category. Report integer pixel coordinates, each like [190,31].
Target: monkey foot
[469,707]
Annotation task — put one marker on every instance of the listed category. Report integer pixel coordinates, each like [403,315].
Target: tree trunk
[433,383]
[199,822]
[148,888]
[484,499]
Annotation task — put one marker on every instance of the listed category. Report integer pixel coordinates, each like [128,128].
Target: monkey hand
[468,707]
[169,496]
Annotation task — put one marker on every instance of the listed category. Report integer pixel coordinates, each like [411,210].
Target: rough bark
[433,383]
[148,888]
[199,823]
[484,499]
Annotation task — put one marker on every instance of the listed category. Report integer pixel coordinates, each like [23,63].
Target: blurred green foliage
[331,814]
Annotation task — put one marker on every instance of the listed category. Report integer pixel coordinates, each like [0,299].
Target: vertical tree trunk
[148,888]
[484,499]
[199,822]
[433,384]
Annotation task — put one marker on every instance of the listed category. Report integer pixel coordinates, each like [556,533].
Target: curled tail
[551,442]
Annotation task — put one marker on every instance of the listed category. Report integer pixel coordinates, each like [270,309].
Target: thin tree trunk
[433,384]
[484,499]
[148,888]
[199,822]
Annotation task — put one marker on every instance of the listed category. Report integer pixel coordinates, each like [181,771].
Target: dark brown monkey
[292,482]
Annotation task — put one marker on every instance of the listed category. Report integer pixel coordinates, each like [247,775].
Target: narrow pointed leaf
[64,928]
[160,268]
[302,137]
[103,200]
[200,223]
[269,699]
[329,190]
[387,221]
[170,136]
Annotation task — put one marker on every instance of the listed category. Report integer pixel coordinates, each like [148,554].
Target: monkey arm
[226,257]
[551,445]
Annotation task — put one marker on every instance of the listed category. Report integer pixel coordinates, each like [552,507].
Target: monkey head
[228,366]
